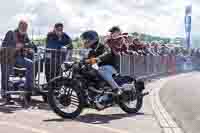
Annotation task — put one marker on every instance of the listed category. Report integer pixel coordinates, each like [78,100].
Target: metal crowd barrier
[147,66]
[47,64]
[50,60]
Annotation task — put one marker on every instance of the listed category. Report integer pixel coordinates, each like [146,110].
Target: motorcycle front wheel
[62,97]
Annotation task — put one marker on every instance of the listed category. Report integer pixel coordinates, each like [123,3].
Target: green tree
[135,34]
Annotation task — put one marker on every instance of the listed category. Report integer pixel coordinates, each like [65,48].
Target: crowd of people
[125,44]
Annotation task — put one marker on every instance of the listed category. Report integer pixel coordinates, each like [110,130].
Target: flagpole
[188,21]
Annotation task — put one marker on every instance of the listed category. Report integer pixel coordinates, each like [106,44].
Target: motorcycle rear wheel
[131,110]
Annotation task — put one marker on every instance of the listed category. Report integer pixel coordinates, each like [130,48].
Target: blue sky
[156,17]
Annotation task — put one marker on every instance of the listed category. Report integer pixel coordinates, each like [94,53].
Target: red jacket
[118,44]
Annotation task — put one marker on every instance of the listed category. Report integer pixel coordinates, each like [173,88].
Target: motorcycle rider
[104,56]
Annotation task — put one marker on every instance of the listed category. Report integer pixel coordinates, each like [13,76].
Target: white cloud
[158,17]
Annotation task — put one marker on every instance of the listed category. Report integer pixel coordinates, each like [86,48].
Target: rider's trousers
[106,73]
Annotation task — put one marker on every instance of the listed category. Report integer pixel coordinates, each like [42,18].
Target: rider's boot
[117,90]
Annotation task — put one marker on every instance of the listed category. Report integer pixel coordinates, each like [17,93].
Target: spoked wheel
[132,104]
[66,101]
[4,100]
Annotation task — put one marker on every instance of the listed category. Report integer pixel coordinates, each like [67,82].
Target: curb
[164,119]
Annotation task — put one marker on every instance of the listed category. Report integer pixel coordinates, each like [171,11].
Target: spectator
[163,50]
[55,41]
[133,46]
[155,49]
[17,39]
[117,41]
[148,50]
[137,46]
[198,52]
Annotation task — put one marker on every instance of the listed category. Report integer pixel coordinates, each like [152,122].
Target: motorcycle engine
[102,101]
[129,87]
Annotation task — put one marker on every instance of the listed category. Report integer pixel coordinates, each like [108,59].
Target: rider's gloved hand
[92,60]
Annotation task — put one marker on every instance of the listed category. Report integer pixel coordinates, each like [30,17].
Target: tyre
[25,100]
[28,97]
[126,107]
[45,98]
[63,96]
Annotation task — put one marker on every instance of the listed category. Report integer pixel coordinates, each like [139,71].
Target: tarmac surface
[181,98]
[40,119]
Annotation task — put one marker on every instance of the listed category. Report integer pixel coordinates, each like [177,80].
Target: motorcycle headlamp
[63,67]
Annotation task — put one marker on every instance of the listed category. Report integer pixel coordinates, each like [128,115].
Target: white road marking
[165,120]
[114,130]
[20,126]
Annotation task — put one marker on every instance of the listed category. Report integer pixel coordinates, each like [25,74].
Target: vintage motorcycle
[81,87]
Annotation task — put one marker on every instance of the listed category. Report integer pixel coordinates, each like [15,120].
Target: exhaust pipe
[145,94]
[99,91]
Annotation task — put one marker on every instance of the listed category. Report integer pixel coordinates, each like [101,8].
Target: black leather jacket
[104,54]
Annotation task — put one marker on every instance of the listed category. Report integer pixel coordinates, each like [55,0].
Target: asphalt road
[43,120]
[181,98]
[40,119]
